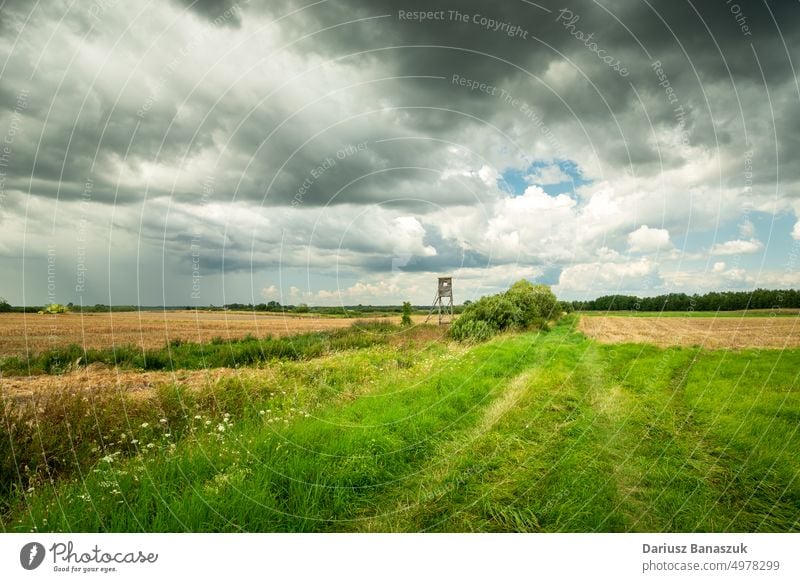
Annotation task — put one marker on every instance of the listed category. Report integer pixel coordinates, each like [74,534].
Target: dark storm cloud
[88,128]
[221,12]
[658,27]
[732,44]
[175,110]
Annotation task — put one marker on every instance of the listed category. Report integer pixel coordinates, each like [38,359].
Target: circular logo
[31,555]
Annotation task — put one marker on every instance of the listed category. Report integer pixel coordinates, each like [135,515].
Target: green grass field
[527,432]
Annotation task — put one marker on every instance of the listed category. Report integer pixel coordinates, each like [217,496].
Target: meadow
[23,334]
[544,431]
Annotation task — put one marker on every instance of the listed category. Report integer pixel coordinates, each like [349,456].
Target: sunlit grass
[529,432]
[219,352]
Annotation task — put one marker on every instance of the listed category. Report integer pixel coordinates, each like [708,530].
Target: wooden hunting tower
[443,303]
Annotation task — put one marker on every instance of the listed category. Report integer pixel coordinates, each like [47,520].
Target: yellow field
[32,333]
[708,332]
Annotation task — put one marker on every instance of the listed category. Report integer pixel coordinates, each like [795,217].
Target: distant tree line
[351,310]
[712,301]
[5,307]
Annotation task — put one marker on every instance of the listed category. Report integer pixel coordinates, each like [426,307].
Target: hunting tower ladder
[443,303]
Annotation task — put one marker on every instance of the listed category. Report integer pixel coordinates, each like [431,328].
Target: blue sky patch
[544,174]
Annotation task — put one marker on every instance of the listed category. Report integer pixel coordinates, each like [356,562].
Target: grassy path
[307,475]
[620,438]
[550,432]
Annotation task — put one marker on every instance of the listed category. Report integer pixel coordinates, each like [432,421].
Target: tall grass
[195,356]
[61,433]
[294,474]
[527,432]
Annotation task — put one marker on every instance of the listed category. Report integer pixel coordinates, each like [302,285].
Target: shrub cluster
[523,306]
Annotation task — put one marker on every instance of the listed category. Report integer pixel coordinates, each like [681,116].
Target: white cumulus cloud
[646,240]
[737,247]
[600,277]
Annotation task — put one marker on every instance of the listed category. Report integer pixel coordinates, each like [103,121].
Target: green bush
[406,320]
[536,302]
[523,306]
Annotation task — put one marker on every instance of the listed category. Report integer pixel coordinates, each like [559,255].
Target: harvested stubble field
[33,333]
[707,332]
[97,378]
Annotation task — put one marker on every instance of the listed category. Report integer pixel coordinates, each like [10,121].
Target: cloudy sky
[350,151]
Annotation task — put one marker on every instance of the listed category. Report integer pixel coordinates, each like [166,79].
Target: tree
[536,303]
[523,306]
[406,320]
[4,305]
[302,308]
